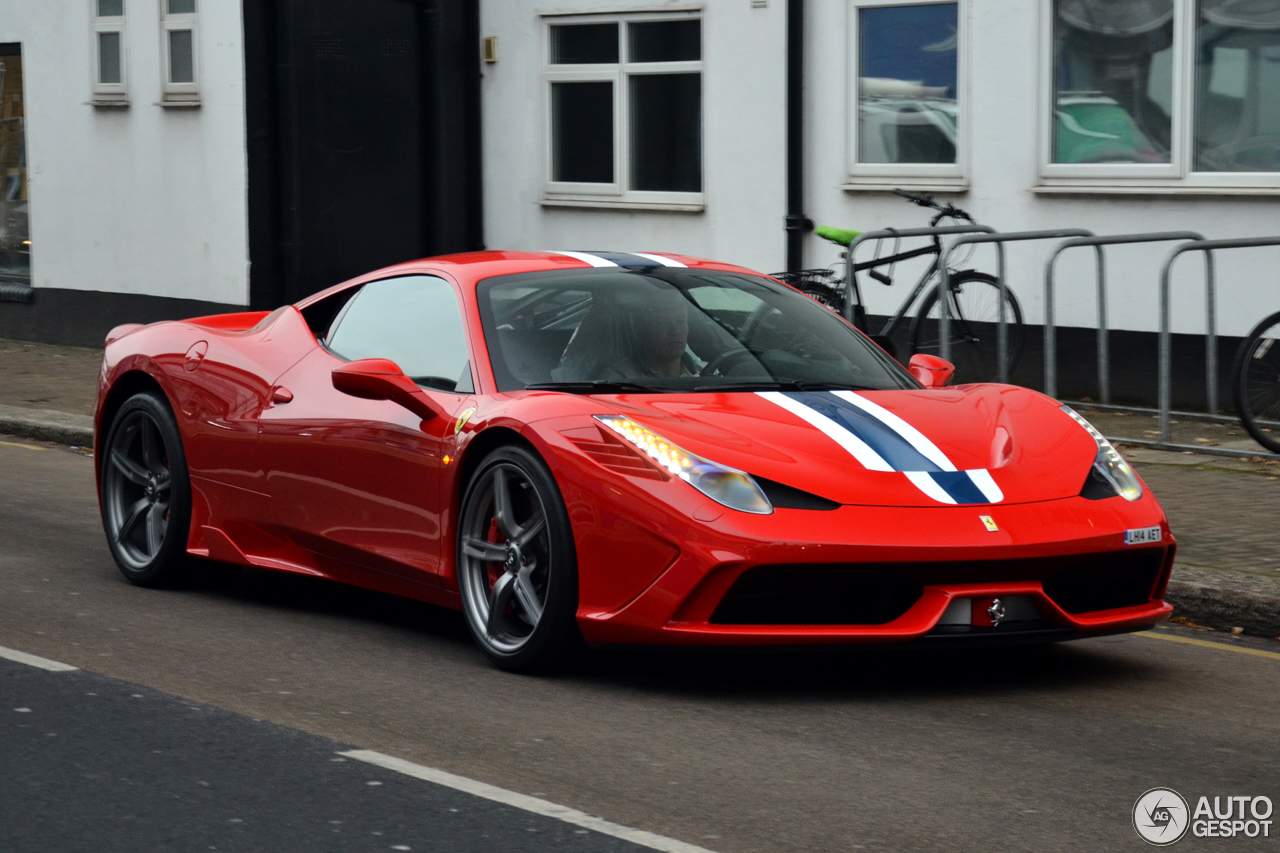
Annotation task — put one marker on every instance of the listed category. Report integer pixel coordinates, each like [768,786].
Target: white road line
[522,801]
[34,660]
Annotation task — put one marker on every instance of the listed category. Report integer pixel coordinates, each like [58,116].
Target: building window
[15,237]
[110,65]
[180,56]
[906,94]
[1180,94]
[624,110]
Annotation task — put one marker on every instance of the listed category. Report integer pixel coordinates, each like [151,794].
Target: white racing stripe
[524,802]
[36,661]
[870,460]
[909,434]
[666,262]
[926,484]
[981,478]
[587,259]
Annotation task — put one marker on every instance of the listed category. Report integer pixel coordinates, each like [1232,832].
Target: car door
[358,482]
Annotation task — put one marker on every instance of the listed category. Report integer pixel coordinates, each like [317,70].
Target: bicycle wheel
[975,301]
[1257,383]
[830,297]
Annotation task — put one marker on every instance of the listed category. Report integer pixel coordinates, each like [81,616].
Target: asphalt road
[1033,749]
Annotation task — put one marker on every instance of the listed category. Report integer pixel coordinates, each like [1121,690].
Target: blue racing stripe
[960,487]
[626,259]
[891,446]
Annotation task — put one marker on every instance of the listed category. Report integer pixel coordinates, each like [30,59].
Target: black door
[363,136]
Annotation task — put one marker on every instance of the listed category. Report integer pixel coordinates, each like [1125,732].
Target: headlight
[1110,464]
[729,486]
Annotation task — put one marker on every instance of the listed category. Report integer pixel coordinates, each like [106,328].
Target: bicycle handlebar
[926,200]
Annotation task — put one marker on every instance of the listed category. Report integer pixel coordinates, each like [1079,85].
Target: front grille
[878,593]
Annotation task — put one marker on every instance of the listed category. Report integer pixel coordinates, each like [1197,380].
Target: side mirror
[931,371]
[382,379]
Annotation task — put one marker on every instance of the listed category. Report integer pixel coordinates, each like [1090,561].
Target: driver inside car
[659,345]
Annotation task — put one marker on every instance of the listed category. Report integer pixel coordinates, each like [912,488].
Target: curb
[46,425]
[1225,608]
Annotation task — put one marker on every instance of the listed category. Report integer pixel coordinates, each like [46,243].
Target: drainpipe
[797,224]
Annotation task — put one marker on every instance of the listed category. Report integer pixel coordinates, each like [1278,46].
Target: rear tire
[1257,383]
[145,492]
[973,309]
[517,566]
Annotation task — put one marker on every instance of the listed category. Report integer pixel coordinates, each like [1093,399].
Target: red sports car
[621,449]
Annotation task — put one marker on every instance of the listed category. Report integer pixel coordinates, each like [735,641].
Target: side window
[416,322]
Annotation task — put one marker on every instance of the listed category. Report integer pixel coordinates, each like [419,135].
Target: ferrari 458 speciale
[619,448]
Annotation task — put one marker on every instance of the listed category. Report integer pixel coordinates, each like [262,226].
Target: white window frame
[179,94]
[617,193]
[108,94]
[941,177]
[1175,177]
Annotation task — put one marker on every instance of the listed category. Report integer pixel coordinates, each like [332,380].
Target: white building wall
[744,141]
[142,199]
[744,135]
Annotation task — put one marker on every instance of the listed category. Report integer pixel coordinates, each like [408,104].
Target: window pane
[414,321]
[108,57]
[182,7]
[582,132]
[110,8]
[577,44]
[907,111]
[665,41]
[666,132]
[180,59]
[15,237]
[1237,87]
[1113,81]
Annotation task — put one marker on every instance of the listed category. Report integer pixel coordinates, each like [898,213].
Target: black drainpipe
[797,224]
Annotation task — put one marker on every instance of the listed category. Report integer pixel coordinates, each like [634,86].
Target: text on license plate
[1142,535]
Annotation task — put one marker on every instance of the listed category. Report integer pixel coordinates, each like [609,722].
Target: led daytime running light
[1109,463]
[729,486]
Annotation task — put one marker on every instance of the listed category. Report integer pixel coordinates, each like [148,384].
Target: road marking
[1191,641]
[522,801]
[34,660]
[27,446]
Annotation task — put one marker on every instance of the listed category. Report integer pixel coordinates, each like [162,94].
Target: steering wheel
[722,364]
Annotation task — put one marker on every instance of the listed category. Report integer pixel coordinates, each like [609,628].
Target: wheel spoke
[499,598]
[502,511]
[490,552]
[528,596]
[162,484]
[155,528]
[135,512]
[530,530]
[130,469]
[150,447]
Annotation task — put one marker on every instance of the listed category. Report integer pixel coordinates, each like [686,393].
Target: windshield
[669,329]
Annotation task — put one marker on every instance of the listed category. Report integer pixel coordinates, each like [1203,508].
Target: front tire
[974,306]
[1257,383]
[145,492]
[517,566]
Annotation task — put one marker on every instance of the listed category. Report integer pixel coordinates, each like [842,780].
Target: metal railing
[1050,328]
[1002,325]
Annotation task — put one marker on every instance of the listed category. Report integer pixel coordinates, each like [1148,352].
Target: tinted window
[415,321]
[671,330]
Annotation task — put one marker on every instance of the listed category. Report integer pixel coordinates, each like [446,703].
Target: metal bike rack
[1050,328]
[1002,333]
[1211,332]
[886,233]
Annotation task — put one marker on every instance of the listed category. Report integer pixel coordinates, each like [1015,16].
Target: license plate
[1142,535]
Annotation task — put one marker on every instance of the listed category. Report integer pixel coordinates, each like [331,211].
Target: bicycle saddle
[839,236]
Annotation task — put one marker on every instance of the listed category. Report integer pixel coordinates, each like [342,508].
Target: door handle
[281,395]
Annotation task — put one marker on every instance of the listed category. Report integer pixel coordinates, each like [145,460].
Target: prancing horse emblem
[996,611]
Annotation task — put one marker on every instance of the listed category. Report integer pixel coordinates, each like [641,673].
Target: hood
[978,444]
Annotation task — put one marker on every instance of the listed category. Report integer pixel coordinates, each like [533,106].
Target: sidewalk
[1224,512]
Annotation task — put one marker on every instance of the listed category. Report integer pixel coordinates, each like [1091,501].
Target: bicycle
[975,298]
[1256,377]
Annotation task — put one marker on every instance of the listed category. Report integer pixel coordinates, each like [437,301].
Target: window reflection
[907,110]
[1113,81]
[1237,86]
[15,240]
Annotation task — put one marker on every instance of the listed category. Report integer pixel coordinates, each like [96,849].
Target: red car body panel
[290,474]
